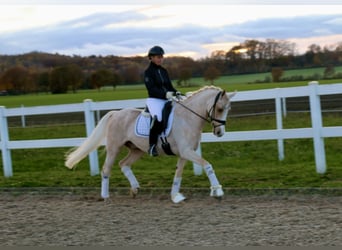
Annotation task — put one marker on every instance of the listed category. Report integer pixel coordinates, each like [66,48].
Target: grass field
[238,164]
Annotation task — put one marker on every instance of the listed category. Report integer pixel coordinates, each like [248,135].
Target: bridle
[211,112]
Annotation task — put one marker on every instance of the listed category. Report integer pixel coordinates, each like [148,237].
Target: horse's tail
[90,144]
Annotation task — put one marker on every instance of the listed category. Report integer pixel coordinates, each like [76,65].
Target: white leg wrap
[178,197]
[176,185]
[127,171]
[211,175]
[216,191]
[105,187]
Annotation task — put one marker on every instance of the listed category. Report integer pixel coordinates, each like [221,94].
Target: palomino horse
[208,104]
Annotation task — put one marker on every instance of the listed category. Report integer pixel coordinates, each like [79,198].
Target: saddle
[144,120]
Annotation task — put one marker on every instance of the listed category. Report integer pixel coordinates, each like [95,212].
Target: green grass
[250,164]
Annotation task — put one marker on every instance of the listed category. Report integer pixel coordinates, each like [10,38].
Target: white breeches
[155,107]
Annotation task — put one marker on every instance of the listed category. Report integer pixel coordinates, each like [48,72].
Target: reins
[212,109]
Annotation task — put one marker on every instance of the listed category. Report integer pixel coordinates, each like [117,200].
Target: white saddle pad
[142,125]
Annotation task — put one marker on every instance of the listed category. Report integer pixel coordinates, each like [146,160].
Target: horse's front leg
[215,186]
[176,196]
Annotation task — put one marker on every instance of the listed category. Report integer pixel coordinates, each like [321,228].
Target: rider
[160,89]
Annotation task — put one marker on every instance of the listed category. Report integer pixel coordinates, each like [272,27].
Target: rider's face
[157,59]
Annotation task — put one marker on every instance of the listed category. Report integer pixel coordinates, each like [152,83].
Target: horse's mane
[191,94]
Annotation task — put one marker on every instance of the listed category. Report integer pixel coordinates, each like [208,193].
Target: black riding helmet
[155,50]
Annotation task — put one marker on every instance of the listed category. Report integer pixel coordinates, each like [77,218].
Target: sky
[129,28]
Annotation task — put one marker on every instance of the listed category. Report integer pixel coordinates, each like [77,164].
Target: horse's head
[218,112]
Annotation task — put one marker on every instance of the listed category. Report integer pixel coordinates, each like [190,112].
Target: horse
[208,104]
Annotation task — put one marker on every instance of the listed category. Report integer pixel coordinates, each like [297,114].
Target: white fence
[317,132]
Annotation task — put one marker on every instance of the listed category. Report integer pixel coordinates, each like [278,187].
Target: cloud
[283,28]
[125,34]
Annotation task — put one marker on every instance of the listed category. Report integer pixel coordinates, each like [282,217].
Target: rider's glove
[170,94]
[179,95]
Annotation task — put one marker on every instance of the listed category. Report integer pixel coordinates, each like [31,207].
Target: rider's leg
[155,106]
[153,138]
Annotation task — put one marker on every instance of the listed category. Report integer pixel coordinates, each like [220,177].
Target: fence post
[283,101]
[6,153]
[279,121]
[23,120]
[90,125]
[98,117]
[316,120]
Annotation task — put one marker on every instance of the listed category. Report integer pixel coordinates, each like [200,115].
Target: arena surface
[153,220]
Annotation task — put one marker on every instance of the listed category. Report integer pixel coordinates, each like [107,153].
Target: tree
[217,60]
[116,80]
[218,55]
[277,74]
[185,74]
[131,73]
[59,80]
[252,47]
[43,81]
[234,59]
[329,71]
[64,76]
[16,80]
[75,76]
[210,74]
[101,78]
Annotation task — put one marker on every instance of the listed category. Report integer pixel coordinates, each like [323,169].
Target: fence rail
[317,132]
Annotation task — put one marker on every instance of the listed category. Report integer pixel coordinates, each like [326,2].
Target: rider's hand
[170,94]
[179,96]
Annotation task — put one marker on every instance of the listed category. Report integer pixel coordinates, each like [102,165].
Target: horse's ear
[223,93]
[232,94]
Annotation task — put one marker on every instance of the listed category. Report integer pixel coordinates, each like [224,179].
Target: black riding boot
[153,139]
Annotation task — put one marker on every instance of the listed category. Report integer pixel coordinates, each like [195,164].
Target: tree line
[55,73]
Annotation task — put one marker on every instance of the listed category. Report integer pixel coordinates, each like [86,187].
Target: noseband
[211,112]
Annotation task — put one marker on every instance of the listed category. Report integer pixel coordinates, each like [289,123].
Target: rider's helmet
[155,50]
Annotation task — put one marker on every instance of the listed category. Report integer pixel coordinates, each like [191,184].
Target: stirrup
[152,150]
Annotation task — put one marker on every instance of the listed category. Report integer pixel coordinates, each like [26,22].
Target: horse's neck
[200,102]
[197,104]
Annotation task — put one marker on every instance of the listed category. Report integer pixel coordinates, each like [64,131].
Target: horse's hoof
[105,196]
[216,191]
[133,192]
[177,198]
[218,198]
[106,200]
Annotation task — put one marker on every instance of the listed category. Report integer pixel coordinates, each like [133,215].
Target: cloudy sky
[128,27]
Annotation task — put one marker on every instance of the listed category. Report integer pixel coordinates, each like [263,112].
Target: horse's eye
[220,110]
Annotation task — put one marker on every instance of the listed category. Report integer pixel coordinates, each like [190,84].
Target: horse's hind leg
[125,165]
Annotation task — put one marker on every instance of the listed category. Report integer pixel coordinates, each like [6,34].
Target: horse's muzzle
[219,131]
